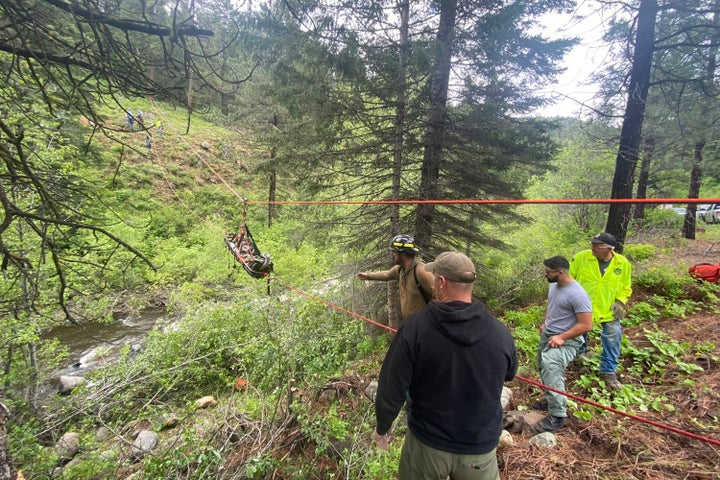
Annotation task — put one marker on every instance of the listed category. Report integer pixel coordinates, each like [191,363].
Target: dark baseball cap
[605,238]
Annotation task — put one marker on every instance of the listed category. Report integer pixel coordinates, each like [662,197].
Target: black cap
[605,238]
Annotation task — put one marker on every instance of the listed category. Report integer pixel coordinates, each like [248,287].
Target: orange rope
[453,202]
[495,201]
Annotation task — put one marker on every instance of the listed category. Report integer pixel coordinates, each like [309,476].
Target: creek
[92,345]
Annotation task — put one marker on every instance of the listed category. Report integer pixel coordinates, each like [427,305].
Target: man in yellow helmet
[416,284]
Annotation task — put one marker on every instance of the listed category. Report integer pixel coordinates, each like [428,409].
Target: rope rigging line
[241,244]
[265,274]
[491,201]
[199,155]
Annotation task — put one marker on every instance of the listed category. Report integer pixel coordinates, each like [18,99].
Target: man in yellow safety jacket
[606,277]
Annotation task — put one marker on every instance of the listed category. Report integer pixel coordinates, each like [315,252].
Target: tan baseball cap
[454,266]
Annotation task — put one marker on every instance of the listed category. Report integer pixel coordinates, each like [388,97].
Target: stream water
[92,345]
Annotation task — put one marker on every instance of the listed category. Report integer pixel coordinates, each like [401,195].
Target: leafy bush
[640,312]
[639,251]
[660,281]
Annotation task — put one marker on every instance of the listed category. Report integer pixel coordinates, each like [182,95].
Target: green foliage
[524,325]
[641,312]
[662,218]
[661,281]
[637,252]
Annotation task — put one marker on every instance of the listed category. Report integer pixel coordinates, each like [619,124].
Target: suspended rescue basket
[245,251]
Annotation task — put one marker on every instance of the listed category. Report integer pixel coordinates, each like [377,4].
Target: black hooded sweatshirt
[452,359]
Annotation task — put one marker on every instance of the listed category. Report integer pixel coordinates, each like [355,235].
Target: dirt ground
[610,446]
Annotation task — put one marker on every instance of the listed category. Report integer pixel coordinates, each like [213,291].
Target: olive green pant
[420,462]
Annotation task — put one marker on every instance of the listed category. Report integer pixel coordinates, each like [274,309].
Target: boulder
[69,382]
[506,440]
[371,390]
[205,402]
[168,420]
[543,440]
[144,443]
[68,446]
[506,397]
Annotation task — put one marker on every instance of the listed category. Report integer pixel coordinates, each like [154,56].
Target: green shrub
[640,251]
[662,282]
[641,312]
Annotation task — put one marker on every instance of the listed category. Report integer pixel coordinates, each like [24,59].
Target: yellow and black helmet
[404,244]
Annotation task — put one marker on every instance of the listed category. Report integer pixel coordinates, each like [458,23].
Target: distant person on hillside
[130,119]
[159,128]
[140,119]
[416,285]
[567,318]
[606,277]
[451,360]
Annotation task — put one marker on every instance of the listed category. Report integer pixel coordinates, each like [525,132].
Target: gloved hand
[618,310]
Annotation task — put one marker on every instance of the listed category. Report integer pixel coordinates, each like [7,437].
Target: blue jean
[610,339]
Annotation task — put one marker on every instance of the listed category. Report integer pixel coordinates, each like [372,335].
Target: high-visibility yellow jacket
[616,284]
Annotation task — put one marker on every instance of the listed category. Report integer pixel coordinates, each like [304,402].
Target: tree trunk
[393,297]
[648,153]
[7,469]
[398,150]
[630,134]
[272,189]
[688,230]
[436,123]
[689,225]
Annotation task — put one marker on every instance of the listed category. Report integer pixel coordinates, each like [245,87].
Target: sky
[573,87]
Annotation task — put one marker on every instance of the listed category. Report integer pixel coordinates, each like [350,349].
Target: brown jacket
[411,300]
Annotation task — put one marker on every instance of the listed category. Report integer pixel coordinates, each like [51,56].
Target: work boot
[549,423]
[611,381]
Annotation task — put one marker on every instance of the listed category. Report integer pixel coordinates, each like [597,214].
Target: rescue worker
[416,284]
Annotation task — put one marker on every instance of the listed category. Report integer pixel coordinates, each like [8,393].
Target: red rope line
[330,304]
[624,414]
[523,379]
[491,201]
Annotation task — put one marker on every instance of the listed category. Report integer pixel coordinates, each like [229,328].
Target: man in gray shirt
[567,318]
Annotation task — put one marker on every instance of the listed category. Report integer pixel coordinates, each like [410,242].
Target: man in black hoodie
[450,362]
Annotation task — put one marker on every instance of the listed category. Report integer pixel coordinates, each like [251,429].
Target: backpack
[709,272]
[425,295]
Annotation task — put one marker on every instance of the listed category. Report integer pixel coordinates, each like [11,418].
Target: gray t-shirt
[563,304]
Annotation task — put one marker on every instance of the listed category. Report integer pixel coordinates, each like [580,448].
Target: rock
[109,455]
[505,397]
[513,421]
[516,421]
[103,434]
[205,402]
[68,446]
[506,440]
[144,443]
[168,420]
[69,382]
[543,440]
[371,390]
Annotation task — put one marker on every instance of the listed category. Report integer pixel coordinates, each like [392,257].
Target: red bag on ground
[710,272]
